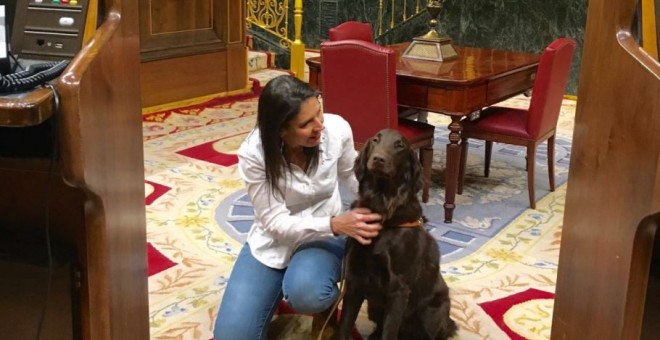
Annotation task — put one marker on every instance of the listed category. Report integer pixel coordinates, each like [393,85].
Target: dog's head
[387,156]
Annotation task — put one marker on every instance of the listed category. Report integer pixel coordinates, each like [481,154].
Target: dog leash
[342,288]
[342,292]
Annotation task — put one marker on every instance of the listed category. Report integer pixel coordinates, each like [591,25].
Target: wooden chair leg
[461,169]
[551,161]
[531,157]
[489,150]
[426,157]
[526,163]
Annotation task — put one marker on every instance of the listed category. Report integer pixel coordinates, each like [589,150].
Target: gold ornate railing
[407,11]
[273,17]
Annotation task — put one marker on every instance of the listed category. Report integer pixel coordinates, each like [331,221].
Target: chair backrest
[549,86]
[359,84]
[352,30]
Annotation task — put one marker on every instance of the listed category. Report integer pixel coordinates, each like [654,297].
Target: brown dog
[399,272]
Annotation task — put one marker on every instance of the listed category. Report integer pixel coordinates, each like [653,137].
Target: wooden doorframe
[614,181]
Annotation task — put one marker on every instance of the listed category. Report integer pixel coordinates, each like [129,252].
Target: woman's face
[304,130]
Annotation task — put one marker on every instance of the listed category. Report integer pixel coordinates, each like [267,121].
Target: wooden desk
[478,78]
[96,201]
[26,108]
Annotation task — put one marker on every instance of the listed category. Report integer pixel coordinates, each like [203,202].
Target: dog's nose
[378,160]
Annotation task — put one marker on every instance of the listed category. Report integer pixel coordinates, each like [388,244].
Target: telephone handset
[33,76]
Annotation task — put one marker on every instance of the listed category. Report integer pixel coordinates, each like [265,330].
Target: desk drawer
[412,95]
[510,85]
[442,99]
[65,20]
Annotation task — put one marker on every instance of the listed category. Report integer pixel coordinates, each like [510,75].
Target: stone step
[261,77]
[260,60]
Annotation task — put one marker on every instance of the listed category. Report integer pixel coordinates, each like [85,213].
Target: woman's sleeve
[346,161]
[271,211]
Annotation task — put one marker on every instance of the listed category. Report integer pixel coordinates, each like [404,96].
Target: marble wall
[522,25]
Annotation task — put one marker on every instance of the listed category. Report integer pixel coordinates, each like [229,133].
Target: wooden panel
[612,184]
[101,155]
[457,101]
[192,59]
[501,88]
[444,100]
[22,207]
[175,79]
[98,182]
[412,95]
[172,28]
[236,27]
[172,16]
[236,76]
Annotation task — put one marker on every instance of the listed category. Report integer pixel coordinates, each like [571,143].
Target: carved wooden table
[479,77]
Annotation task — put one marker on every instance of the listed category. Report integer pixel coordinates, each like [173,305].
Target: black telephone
[33,76]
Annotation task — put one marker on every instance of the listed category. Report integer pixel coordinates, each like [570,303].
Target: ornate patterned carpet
[499,257]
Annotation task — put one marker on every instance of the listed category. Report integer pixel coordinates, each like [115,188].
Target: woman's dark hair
[279,103]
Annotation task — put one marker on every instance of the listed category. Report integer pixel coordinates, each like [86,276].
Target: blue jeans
[308,285]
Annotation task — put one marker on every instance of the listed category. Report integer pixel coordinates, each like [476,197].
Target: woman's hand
[359,223]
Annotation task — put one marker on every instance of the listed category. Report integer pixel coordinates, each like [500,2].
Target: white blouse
[281,225]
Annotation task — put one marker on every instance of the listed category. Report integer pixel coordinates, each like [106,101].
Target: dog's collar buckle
[413,224]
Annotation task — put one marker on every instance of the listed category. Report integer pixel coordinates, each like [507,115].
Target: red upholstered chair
[526,127]
[362,31]
[359,84]
[352,30]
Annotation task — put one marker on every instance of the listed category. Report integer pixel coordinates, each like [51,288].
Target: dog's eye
[399,144]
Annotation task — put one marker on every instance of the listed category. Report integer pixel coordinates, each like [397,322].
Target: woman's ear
[360,167]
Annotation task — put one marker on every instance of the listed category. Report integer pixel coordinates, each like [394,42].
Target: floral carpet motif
[191,175]
[486,206]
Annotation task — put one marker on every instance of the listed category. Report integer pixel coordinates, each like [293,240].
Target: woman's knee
[310,281]
[309,293]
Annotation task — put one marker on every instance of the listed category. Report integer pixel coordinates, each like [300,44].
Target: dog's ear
[413,174]
[360,167]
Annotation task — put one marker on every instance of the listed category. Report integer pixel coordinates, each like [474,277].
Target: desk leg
[453,160]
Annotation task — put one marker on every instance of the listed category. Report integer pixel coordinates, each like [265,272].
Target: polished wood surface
[191,49]
[173,28]
[474,65]
[97,193]
[478,78]
[101,151]
[26,108]
[613,183]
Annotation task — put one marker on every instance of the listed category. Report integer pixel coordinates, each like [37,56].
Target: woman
[291,164]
